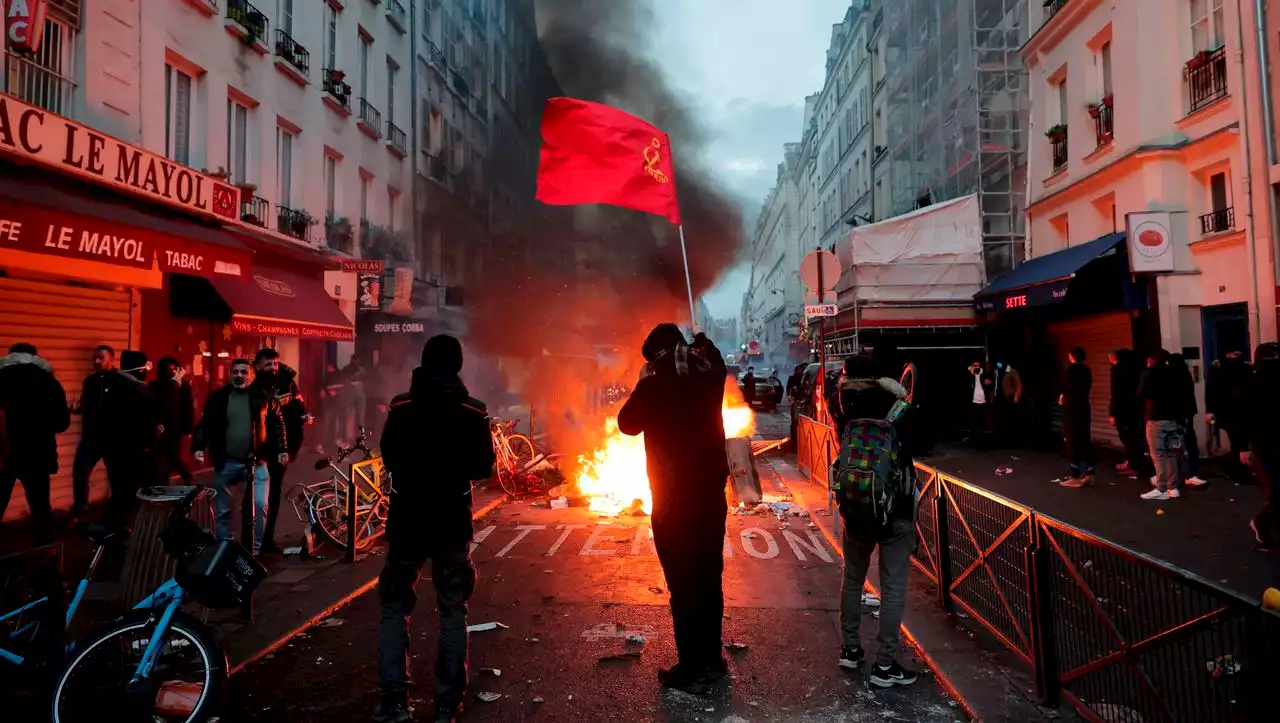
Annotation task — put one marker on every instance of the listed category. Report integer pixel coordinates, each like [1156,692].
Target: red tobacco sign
[24,25]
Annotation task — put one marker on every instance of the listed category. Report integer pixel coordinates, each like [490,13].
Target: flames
[613,478]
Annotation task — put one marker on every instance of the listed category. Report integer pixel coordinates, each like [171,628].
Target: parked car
[769,391]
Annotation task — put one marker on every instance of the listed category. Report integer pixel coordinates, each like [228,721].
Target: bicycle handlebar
[344,452]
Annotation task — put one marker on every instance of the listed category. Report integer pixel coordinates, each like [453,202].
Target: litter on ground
[488,697]
[483,627]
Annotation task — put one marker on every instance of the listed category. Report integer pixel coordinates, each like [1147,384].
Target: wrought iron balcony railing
[292,52]
[334,86]
[255,210]
[371,116]
[1206,74]
[40,86]
[292,222]
[249,17]
[1102,121]
[1059,150]
[1218,221]
[397,137]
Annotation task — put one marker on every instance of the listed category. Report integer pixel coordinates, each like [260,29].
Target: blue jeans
[1167,440]
[229,474]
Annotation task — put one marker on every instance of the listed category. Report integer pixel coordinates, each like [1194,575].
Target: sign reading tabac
[65,145]
[24,25]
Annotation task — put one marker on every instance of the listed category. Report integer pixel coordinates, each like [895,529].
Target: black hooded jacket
[284,387]
[1076,412]
[34,406]
[175,406]
[1226,390]
[680,418]
[118,411]
[435,443]
[1264,395]
[1125,406]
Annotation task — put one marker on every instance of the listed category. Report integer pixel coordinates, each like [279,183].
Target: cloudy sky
[746,65]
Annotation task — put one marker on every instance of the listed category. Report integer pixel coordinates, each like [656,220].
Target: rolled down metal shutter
[65,322]
[1099,335]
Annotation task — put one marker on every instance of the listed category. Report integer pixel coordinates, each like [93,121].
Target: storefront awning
[284,303]
[1044,279]
[72,220]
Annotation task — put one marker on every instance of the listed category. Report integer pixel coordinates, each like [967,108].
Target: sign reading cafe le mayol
[35,134]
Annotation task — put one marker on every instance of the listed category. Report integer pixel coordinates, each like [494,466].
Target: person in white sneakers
[1165,409]
[1189,460]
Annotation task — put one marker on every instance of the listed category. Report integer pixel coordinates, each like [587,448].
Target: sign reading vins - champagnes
[65,145]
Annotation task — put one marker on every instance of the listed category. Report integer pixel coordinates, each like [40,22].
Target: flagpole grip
[688,284]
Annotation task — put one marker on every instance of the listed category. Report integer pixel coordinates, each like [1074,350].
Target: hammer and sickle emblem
[652,157]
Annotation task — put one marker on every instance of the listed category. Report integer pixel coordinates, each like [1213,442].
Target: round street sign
[830,266]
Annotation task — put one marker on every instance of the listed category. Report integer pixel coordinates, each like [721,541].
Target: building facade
[1260,24]
[775,293]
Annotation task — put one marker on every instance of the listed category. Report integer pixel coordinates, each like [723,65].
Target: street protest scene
[710,361]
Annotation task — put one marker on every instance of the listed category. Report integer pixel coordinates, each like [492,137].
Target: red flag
[592,153]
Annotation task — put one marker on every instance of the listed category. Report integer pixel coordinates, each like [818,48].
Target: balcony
[370,120]
[1051,8]
[460,84]
[288,50]
[1218,221]
[1206,75]
[436,168]
[247,23]
[292,222]
[397,141]
[255,210]
[1057,136]
[339,93]
[438,60]
[397,16]
[40,86]
[1101,114]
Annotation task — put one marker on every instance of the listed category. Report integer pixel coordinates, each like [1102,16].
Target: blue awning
[1044,279]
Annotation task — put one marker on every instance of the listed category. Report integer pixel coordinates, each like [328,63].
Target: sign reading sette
[55,141]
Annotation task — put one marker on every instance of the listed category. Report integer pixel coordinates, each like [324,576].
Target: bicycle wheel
[522,450]
[329,510]
[187,683]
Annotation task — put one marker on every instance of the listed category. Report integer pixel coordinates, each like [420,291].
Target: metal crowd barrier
[1119,635]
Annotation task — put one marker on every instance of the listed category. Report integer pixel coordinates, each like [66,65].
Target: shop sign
[278,327]
[37,135]
[369,292]
[1042,295]
[1150,237]
[44,231]
[398,327]
[24,25]
[364,266]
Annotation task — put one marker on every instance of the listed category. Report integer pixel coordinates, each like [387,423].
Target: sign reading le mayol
[35,134]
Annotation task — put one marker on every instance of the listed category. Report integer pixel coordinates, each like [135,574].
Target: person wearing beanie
[676,406]
[1263,435]
[33,412]
[435,443]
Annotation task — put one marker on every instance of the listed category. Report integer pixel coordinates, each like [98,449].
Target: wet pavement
[571,587]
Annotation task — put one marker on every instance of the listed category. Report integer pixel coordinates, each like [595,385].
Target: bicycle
[115,676]
[515,456]
[325,502]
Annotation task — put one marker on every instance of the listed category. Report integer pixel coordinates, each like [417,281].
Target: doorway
[1226,328]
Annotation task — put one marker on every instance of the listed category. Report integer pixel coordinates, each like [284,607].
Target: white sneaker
[1174,493]
[1155,494]
[1155,482]
[1195,482]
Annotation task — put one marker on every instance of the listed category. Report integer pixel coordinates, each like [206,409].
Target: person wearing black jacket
[1226,406]
[1125,410]
[1077,418]
[1262,429]
[33,412]
[866,395]
[676,406]
[1165,408]
[242,428]
[175,412]
[436,441]
[279,381]
[1189,460]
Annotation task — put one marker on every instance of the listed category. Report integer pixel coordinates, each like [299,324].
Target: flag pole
[688,284]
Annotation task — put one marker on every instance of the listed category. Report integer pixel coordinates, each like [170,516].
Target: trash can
[146,565]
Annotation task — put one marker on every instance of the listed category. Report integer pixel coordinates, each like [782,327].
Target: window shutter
[181,117]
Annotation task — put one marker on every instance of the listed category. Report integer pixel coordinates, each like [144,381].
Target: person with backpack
[875,484]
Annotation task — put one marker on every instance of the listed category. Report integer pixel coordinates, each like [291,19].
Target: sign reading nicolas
[52,140]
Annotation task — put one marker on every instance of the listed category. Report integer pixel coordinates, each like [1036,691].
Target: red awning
[76,221]
[284,303]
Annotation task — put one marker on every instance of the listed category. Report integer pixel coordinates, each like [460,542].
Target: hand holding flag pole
[594,153]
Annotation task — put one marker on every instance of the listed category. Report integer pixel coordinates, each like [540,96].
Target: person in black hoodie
[1077,417]
[1262,426]
[33,412]
[676,406]
[1125,410]
[435,442]
[175,412]
[1226,406]
[1164,406]
[1189,460]
[279,381]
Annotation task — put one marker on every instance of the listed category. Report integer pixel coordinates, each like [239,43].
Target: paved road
[571,587]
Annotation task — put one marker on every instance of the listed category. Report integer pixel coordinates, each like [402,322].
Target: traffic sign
[812,311]
[822,264]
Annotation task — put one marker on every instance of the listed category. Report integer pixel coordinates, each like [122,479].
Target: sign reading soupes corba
[52,140]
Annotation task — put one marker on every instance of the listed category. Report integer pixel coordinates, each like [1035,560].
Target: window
[364,68]
[1062,101]
[393,200]
[237,142]
[364,197]
[1218,192]
[1207,24]
[177,101]
[330,183]
[1104,66]
[330,36]
[284,166]
[392,70]
[45,78]
[284,16]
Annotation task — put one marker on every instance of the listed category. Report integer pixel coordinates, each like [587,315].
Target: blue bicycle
[157,663]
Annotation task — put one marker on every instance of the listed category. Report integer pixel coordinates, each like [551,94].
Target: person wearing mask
[33,412]
[1077,417]
[435,443]
[241,429]
[1125,410]
[1189,460]
[1226,406]
[676,406]
[749,386]
[1261,429]
[864,394]
[279,381]
[1165,409]
[175,410]
[979,411]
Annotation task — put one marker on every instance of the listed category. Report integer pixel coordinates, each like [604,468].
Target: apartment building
[776,294]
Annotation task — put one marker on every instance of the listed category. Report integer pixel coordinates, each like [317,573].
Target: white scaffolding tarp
[930,255]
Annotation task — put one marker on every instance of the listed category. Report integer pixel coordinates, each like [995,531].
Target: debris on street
[736,647]
[489,697]
[635,639]
[331,623]
[620,657]
[495,672]
[484,627]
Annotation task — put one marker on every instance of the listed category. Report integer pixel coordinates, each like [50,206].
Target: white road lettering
[752,533]
[555,547]
[643,535]
[588,546]
[524,531]
[479,536]
[814,545]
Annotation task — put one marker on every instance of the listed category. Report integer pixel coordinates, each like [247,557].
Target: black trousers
[1267,467]
[36,487]
[1236,437]
[1079,447]
[689,538]
[1132,433]
[277,472]
[169,459]
[454,578]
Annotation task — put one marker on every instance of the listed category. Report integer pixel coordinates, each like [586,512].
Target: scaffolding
[958,112]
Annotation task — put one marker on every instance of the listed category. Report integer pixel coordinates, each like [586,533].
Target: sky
[745,66]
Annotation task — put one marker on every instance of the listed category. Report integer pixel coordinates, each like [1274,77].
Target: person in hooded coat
[1227,405]
[435,443]
[1125,410]
[33,412]
[1262,428]
[676,406]
[279,381]
[175,409]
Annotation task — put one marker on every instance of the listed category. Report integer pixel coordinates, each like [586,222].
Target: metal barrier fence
[1119,635]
